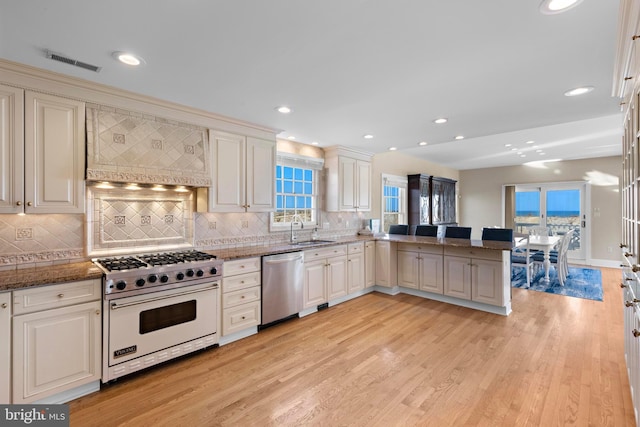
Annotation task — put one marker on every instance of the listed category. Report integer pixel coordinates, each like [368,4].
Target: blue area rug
[581,283]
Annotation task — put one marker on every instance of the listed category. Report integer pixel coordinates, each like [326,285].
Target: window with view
[394,201]
[296,198]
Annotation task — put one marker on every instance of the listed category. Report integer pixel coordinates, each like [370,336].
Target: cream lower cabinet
[420,267]
[56,339]
[35,177]
[369,264]
[475,274]
[386,263]
[325,275]
[241,295]
[5,348]
[355,267]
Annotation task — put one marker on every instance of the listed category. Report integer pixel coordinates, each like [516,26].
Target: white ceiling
[496,68]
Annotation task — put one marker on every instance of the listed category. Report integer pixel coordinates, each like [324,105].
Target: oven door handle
[115,305]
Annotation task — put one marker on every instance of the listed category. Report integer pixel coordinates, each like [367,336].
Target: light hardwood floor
[385,361]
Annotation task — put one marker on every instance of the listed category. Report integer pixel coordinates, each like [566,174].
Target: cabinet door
[486,277]
[369,264]
[5,348]
[314,284]
[457,277]
[356,272]
[408,274]
[227,192]
[431,273]
[261,169]
[55,350]
[383,266]
[336,277]
[11,149]
[347,183]
[54,183]
[363,173]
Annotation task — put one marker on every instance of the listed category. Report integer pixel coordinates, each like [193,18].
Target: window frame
[400,182]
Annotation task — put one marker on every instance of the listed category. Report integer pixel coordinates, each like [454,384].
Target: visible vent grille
[75,62]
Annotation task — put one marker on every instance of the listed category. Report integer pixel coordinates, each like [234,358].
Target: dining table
[544,244]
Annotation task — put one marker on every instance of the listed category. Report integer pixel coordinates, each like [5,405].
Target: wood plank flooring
[385,361]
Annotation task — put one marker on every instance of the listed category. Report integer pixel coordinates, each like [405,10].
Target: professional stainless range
[157,307]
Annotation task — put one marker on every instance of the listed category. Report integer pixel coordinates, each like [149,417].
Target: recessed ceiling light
[291,137]
[529,142]
[422,143]
[440,121]
[538,151]
[459,137]
[519,152]
[368,136]
[393,148]
[523,155]
[579,91]
[514,149]
[128,58]
[314,143]
[507,145]
[283,109]
[551,7]
[542,154]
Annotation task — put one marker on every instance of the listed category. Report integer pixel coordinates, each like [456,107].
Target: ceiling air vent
[61,58]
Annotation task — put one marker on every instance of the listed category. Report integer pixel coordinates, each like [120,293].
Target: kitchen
[219,230]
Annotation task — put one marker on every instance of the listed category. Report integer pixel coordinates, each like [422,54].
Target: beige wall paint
[395,163]
[480,196]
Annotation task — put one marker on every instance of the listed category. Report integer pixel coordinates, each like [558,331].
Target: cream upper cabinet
[348,186]
[243,173]
[42,153]
[5,348]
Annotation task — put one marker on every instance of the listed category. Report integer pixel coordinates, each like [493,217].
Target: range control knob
[121,285]
[213,270]
[152,278]
[190,273]
[140,282]
[164,278]
[180,276]
[199,273]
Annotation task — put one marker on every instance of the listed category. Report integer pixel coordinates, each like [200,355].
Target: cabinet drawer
[325,252]
[239,266]
[355,248]
[54,296]
[241,281]
[473,253]
[232,299]
[420,247]
[241,317]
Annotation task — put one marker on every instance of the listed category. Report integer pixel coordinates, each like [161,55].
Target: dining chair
[499,234]
[427,230]
[522,256]
[399,229]
[458,232]
[558,258]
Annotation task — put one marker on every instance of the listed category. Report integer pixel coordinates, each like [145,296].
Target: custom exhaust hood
[129,147]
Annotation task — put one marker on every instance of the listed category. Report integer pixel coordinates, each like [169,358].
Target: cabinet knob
[622,245]
[622,285]
[4,305]
[60,295]
[248,206]
[29,204]
[633,38]
[97,312]
[242,297]
[635,268]
[243,317]
[628,303]
[18,203]
[628,254]
[636,333]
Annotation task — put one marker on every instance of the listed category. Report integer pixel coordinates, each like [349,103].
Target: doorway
[557,206]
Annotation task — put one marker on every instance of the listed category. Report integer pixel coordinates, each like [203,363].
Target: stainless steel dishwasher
[282,281]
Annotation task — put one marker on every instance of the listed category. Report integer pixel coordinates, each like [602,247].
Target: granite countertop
[52,274]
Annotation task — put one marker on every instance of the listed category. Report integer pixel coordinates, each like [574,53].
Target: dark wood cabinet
[431,200]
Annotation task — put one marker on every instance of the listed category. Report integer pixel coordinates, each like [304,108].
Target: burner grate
[120,264]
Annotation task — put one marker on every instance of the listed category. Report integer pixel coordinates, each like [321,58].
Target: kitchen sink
[312,242]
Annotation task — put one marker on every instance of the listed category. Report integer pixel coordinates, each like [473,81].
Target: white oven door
[143,324]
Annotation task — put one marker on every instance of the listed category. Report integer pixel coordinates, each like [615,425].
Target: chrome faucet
[294,238]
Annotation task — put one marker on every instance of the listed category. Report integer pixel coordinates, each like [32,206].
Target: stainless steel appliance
[282,281]
[157,307]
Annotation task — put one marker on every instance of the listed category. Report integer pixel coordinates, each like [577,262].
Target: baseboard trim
[69,395]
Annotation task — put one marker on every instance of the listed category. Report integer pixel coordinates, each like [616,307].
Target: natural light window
[394,200]
[296,190]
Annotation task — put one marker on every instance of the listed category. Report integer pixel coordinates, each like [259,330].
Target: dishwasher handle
[273,260]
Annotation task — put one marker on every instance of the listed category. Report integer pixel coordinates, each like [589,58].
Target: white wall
[480,197]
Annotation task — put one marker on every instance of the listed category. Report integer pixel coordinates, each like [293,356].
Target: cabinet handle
[628,78]
[628,303]
[60,295]
[4,305]
[622,285]
[634,38]
[622,245]
[635,268]
[18,203]
[636,333]
[628,254]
